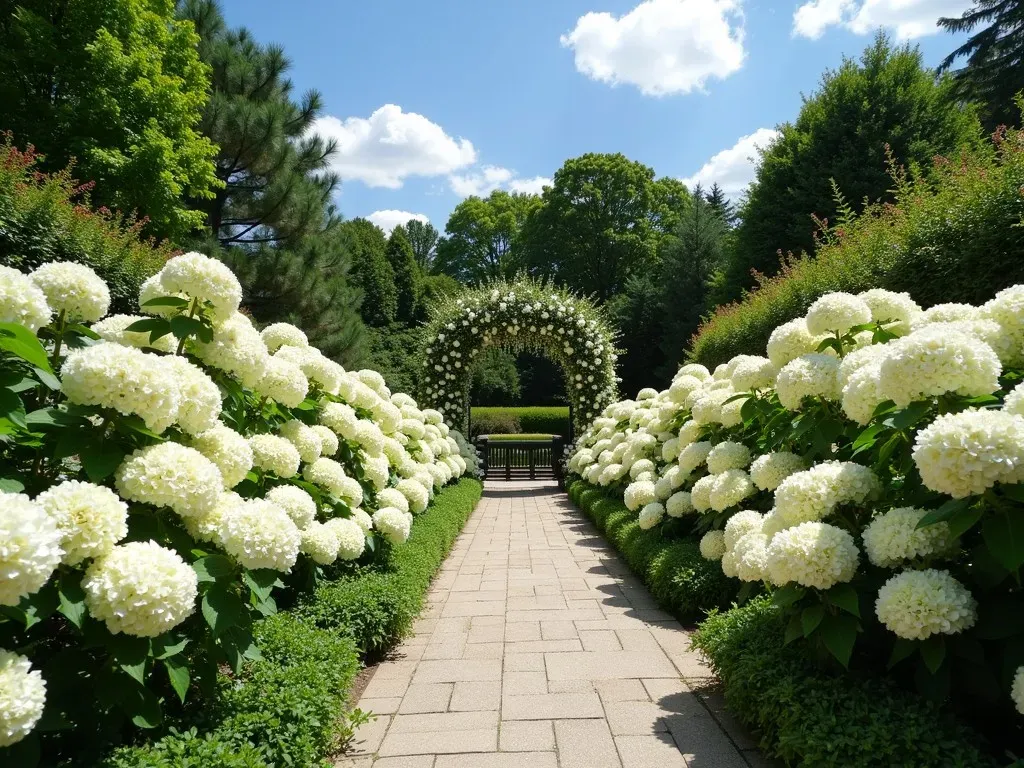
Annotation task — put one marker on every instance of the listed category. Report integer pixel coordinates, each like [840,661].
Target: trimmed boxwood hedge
[676,574]
[288,708]
[547,420]
[807,716]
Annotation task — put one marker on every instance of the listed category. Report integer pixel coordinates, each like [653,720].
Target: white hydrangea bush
[860,471]
[181,465]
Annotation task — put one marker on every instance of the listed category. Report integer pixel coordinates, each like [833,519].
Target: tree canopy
[371,271]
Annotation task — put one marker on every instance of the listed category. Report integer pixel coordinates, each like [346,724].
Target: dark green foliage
[885,105]
[47,218]
[955,237]
[372,272]
[407,274]
[545,420]
[394,350]
[807,716]
[495,378]
[679,578]
[994,72]
[423,238]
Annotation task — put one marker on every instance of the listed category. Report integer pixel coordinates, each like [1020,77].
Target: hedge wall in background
[551,420]
[956,237]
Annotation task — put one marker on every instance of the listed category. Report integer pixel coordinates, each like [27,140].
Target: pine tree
[406,271]
[994,72]
[721,204]
[371,271]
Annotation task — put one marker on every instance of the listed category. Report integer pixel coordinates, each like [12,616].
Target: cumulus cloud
[908,19]
[391,145]
[661,46]
[481,182]
[532,186]
[733,169]
[389,219]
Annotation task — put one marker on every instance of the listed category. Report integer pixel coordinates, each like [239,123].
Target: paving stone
[526,736]
[524,662]
[385,689]
[648,752]
[621,690]
[522,631]
[499,760]
[476,697]
[518,683]
[443,721]
[380,706]
[439,742]
[431,697]
[551,706]
[407,761]
[626,718]
[599,640]
[544,646]
[585,744]
[369,735]
[459,671]
[607,665]
[558,630]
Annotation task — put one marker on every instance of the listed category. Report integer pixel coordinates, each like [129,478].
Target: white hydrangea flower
[836,312]
[387,415]
[377,470]
[894,537]
[1017,690]
[73,289]
[228,450]
[170,475]
[811,375]
[915,605]
[675,476]
[709,408]
[946,313]
[140,589]
[1007,309]
[712,545]
[750,372]
[641,465]
[296,503]
[727,455]
[392,497]
[340,418]
[814,493]
[700,494]
[374,380]
[768,471]
[208,280]
[393,524]
[351,538]
[283,382]
[199,401]
[651,515]
[22,301]
[860,358]
[277,335]
[696,370]
[152,289]
[314,366]
[91,518]
[694,454]
[112,329]
[273,453]
[610,474]
[987,331]
[306,441]
[362,518]
[739,525]
[862,393]
[260,534]
[790,341]
[730,488]
[22,697]
[670,449]
[29,547]
[124,379]
[682,387]
[688,434]
[812,554]
[371,439]
[320,542]
[933,362]
[328,439]
[895,310]
[207,526]
[963,454]
[639,494]
[750,557]
[679,504]
[329,474]
[728,561]
[1014,402]
[236,348]
[417,495]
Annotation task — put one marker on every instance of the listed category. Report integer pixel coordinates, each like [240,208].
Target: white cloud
[480,183]
[908,19]
[391,145]
[661,46]
[389,219]
[532,186]
[733,168]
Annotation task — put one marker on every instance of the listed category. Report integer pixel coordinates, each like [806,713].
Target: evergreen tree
[371,271]
[406,272]
[423,237]
[994,72]
[721,204]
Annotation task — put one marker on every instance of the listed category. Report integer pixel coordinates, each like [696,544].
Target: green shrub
[955,237]
[679,578]
[546,420]
[807,716]
[47,218]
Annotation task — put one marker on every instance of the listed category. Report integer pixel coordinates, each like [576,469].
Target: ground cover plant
[169,481]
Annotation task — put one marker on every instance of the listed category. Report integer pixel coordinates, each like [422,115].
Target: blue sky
[433,100]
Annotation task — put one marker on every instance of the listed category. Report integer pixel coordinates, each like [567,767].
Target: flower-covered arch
[519,315]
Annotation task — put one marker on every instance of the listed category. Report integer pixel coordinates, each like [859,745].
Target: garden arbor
[519,315]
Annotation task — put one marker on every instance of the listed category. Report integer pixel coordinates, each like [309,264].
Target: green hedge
[288,708]
[679,578]
[808,717]
[547,420]
[955,237]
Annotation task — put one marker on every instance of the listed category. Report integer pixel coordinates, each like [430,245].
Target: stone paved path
[540,650]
